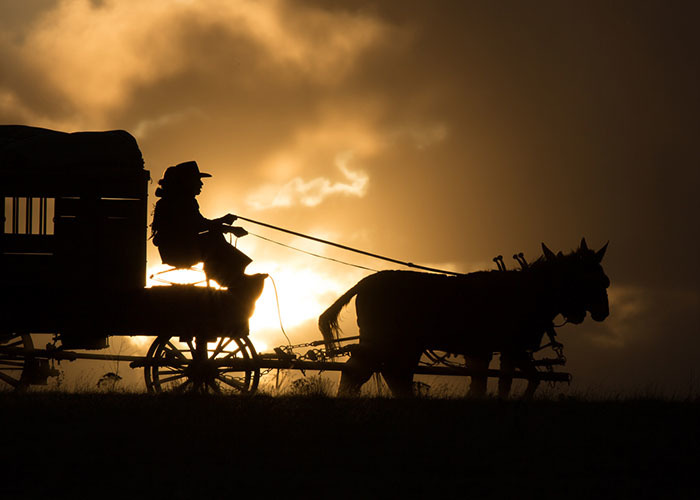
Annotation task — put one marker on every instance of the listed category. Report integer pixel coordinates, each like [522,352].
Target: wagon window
[29,215]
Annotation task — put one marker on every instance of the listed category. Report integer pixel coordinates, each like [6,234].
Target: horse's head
[579,283]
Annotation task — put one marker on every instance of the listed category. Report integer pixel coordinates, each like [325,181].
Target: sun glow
[164,274]
[293,295]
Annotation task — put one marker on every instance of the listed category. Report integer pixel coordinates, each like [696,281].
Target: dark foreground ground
[140,446]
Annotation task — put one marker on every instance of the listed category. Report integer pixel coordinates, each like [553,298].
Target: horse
[400,314]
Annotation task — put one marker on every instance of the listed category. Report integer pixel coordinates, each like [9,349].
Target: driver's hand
[238,232]
[228,219]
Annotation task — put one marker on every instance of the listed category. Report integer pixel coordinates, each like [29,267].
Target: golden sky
[444,133]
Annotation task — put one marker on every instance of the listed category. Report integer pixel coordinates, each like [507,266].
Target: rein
[355,250]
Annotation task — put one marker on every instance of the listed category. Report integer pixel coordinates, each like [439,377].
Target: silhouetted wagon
[73,265]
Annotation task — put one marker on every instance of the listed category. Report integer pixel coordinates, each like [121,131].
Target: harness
[556,346]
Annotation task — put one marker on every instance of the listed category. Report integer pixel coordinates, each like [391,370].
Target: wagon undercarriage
[223,365]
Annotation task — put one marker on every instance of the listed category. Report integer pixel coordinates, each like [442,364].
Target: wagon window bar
[29,215]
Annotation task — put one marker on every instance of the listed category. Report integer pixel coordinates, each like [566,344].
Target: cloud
[637,315]
[96,54]
[649,342]
[423,135]
[313,192]
[628,305]
[147,126]
[11,106]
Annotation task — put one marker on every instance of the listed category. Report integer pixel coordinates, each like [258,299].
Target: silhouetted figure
[402,313]
[184,237]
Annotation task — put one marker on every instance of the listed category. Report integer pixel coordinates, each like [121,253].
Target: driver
[184,237]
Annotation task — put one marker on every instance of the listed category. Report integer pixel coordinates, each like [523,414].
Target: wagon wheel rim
[227,365]
[13,366]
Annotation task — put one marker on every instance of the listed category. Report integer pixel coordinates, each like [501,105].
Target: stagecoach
[73,265]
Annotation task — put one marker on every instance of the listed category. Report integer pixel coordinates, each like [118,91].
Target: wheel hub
[203,371]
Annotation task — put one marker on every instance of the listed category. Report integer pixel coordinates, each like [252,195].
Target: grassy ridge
[110,445]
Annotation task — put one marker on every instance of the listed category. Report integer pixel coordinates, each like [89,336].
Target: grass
[107,444]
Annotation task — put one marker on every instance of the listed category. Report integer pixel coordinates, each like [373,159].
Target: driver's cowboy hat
[182,173]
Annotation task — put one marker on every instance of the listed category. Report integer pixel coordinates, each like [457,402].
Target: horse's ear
[584,246]
[549,255]
[601,253]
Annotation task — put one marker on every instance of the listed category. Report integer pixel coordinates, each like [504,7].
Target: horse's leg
[477,387]
[400,384]
[509,361]
[358,369]
[505,380]
[524,362]
[398,374]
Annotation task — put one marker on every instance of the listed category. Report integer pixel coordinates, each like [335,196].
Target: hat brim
[203,174]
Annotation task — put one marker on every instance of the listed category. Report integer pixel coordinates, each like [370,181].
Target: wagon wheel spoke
[175,351]
[17,370]
[223,342]
[233,353]
[232,382]
[15,343]
[247,378]
[9,380]
[167,365]
[4,362]
[193,350]
[172,378]
[169,370]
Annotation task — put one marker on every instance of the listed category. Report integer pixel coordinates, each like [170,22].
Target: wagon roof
[23,147]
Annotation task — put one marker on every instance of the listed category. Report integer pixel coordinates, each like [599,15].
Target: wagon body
[74,209]
[73,245]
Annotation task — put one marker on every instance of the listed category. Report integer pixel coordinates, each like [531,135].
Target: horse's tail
[328,321]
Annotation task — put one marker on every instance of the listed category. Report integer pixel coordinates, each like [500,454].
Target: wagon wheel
[438,357]
[13,367]
[227,365]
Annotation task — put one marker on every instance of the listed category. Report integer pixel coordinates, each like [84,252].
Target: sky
[443,133]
